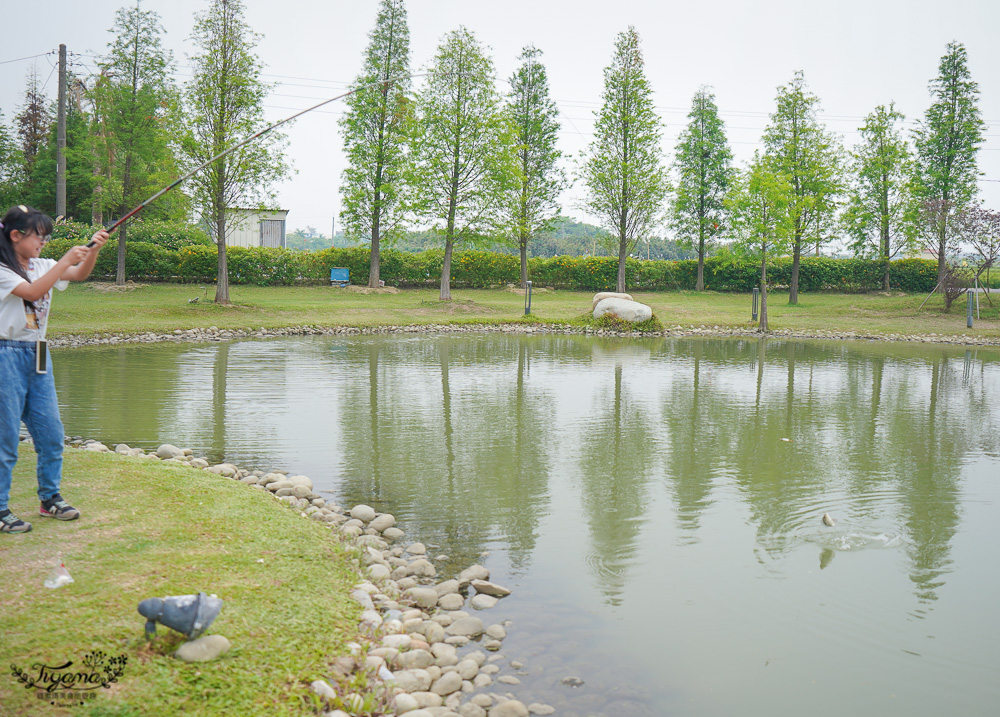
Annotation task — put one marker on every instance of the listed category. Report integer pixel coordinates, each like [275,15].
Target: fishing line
[247,141]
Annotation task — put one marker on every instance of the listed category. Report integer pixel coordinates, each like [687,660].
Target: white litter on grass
[58,577]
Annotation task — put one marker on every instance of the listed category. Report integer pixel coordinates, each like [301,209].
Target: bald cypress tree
[622,170]
[375,128]
[947,144]
[703,166]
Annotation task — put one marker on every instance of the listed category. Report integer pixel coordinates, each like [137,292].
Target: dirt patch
[514,289]
[105,287]
[368,290]
[456,306]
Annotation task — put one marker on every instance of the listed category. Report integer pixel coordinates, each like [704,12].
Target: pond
[655,505]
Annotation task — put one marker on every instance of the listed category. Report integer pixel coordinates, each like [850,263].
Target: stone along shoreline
[420,649]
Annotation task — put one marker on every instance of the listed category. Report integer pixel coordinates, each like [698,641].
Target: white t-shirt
[17,322]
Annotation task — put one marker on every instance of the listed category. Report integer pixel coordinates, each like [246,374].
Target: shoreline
[420,647]
[214,334]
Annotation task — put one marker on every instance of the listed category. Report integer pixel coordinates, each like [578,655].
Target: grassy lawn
[94,309]
[151,529]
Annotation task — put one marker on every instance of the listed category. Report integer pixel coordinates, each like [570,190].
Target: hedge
[183,257]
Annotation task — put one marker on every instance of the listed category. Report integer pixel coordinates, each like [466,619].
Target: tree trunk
[375,260]
[793,294]
[622,255]
[122,239]
[699,284]
[123,234]
[762,326]
[222,282]
[885,257]
[445,294]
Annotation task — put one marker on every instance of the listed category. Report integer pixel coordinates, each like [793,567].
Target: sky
[855,55]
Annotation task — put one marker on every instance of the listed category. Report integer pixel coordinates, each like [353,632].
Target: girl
[27,391]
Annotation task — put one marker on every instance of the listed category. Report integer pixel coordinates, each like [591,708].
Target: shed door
[272,232]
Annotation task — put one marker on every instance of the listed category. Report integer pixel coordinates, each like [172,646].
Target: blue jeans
[30,397]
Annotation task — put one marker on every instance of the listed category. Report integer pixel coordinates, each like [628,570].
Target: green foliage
[880,207]
[168,234]
[798,146]
[465,160]
[530,204]
[947,143]
[376,127]
[41,188]
[626,185]
[12,175]
[225,104]
[703,165]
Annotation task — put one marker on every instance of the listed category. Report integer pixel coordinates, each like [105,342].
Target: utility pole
[61,137]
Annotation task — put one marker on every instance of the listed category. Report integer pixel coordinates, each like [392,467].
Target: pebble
[203,649]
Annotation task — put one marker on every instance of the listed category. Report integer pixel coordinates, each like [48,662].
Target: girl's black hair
[25,220]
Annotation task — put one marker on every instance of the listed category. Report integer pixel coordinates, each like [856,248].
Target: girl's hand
[76,254]
[99,238]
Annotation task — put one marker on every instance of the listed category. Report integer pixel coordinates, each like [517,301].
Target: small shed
[255,227]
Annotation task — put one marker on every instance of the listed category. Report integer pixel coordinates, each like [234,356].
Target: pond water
[655,505]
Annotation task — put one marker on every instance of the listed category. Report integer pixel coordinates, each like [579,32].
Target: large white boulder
[602,295]
[624,309]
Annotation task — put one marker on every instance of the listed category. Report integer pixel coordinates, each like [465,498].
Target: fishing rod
[245,142]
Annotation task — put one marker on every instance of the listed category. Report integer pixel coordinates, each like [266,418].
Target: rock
[467,668]
[167,450]
[363,598]
[122,449]
[417,549]
[492,645]
[471,710]
[301,491]
[508,680]
[301,480]
[415,660]
[482,680]
[227,470]
[421,568]
[497,632]
[828,520]
[601,295]
[624,309]
[487,588]
[447,683]
[511,708]
[323,689]
[451,601]
[446,587]
[466,627]
[434,632]
[412,680]
[444,654]
[363,512]
[473,572]
[483,602]
[400,642]
[423,597]
[428,699]
[383,522]
[378,571]
[572,681]
[405,703]
[393,533]
[203,649]
[537,708]
[198,463]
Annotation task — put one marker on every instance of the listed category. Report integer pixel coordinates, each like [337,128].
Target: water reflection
[662,491]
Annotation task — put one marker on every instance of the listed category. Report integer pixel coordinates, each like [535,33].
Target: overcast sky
[855,54]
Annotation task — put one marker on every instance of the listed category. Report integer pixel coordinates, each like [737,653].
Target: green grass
[151,529]
[89,309]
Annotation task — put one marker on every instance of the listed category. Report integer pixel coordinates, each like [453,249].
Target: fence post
[756,299]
